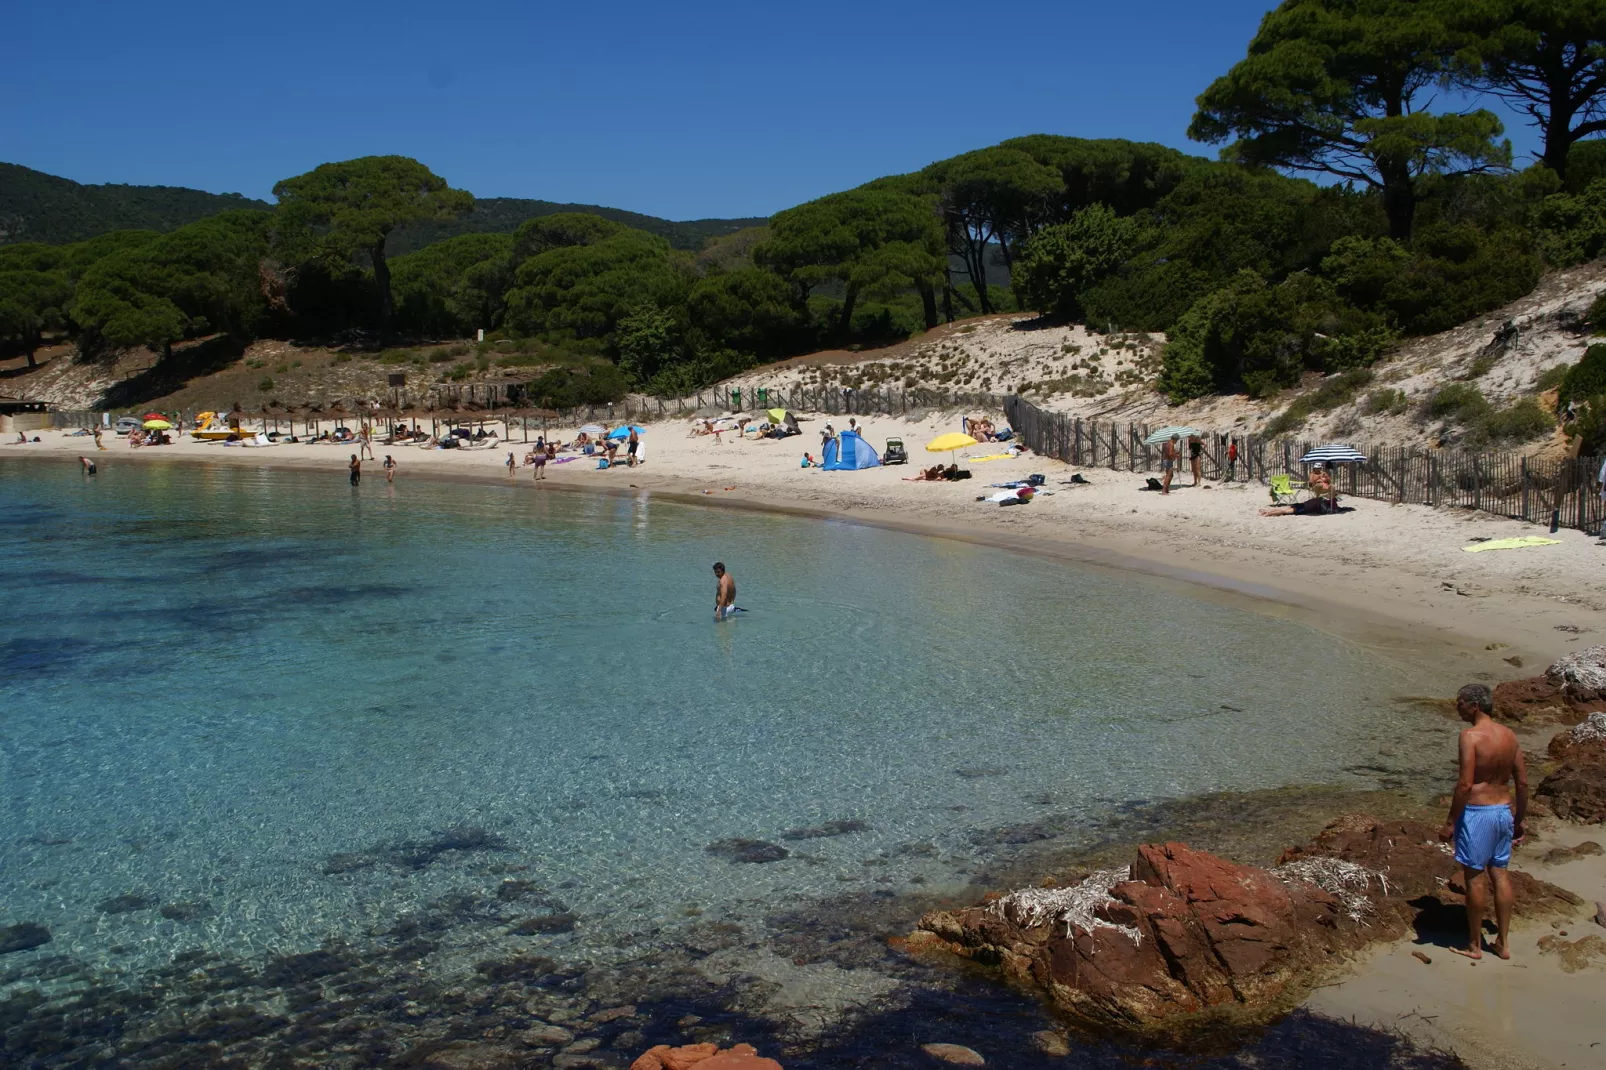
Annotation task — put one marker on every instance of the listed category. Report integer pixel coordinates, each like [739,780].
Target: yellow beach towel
[990,457]
[1510,544]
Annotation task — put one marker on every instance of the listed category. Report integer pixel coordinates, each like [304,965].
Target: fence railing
[1559,492]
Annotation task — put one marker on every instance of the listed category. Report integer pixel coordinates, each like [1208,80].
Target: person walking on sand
[539,461]
[356,470]
[99,445]
[511,464]
[390,469]
[1483,822]
[724,592]
[362,443]
[632,446]
[1168,462]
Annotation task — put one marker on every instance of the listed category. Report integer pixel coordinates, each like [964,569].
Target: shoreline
[1461,627]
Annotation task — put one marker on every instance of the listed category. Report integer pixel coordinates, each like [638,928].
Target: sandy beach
[1394,577]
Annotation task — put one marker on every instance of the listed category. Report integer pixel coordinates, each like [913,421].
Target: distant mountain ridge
[38,207]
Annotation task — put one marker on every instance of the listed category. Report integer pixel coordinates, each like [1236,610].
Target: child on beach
[390,469]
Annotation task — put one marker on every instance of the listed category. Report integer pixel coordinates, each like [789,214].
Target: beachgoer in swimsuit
[1168,462]
[356,470]
[1483,822]
[89,466]
[724,592]
[99,445]
[540,462]
[630,450]
[1195,455]
[511,464]
[1232,459]
[390,469]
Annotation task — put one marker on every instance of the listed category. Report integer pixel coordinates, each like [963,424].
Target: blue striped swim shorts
[1483,837]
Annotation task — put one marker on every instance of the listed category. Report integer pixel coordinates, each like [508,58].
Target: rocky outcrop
[1183,942]
[1570,690]
[703,1057]
[1576,790]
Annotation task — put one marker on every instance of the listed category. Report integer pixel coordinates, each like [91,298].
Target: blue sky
[680,110]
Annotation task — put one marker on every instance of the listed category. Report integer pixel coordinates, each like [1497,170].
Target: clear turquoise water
[214,680]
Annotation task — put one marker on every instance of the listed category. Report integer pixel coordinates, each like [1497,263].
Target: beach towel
[990,457]
[1511,544]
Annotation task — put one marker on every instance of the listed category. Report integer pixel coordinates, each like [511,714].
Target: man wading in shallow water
[1482,823]
[724,592]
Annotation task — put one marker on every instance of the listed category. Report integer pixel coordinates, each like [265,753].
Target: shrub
[439,356]
[1587,378]
[1595,318]
[1551,377]
[1378,402]
[1572,227]
[1460,402]
[1522,421]
[1335,390]
[265,385]
[342,358]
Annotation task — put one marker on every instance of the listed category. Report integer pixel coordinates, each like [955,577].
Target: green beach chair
[1285,490]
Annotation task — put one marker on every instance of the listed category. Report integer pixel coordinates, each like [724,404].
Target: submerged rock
[546,923]
[416,854]
[187,910]
[22,937]
[740,850]
[955,1054]
[1182,941]
[830,828]
[126,903]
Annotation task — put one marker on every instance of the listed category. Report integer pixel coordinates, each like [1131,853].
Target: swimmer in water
[724,592]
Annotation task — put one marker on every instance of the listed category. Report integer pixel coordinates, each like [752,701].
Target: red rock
[1191,932]
[704,1057]
[686,1056]
[728,1061]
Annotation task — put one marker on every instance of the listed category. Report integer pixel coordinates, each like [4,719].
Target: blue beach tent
[848,452]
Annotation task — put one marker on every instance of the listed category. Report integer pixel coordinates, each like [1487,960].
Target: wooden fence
[1561,493]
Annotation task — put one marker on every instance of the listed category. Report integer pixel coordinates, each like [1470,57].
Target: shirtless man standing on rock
[1483,822]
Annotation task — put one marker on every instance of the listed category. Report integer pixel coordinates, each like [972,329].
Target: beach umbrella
[624,432]
[948,443]
[1334,455]
[1165,433]
[155,416]
[592,429]
[777,415]
[158,424]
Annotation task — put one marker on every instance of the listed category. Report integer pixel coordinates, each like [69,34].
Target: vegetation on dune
[1259,276]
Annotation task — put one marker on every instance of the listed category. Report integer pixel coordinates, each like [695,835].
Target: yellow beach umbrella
[157,425]
[954,440]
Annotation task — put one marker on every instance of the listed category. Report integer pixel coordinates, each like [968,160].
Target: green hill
[38,207]
[502,215]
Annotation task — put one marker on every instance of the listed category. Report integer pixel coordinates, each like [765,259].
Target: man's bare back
[1493,752]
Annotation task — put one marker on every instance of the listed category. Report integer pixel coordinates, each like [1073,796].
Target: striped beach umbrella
[1334,454]
[1165,433]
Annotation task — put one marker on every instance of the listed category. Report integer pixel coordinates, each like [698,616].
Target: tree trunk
[1558,134]
[976,268]
[928,301]
[382,281]
[948,301]
[844,325]
[1399,202]
[33,346]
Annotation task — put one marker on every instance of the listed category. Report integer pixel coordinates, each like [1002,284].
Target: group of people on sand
[1171,453]
[982,430]
[937,473]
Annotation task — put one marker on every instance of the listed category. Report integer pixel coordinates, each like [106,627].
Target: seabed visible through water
[296,775]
